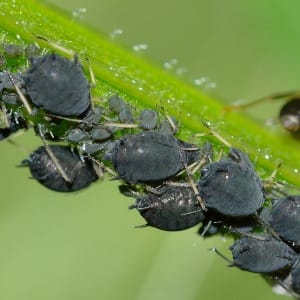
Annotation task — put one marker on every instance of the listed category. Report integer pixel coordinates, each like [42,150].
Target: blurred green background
[84,245]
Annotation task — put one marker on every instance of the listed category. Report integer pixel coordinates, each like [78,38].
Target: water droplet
[79,13]
[181,70]
[205,82]
[267,156]
[116,32]
[170,63]
[296,171]
[140,47]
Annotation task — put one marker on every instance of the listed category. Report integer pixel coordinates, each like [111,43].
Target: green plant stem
[144,85]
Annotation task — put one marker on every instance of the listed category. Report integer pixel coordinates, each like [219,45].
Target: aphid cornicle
[151,156]
[58,85]
[232,187]
[69,174]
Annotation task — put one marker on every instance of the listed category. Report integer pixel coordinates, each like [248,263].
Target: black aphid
[262,253]
[12,50]
[285,218]
[231,186]
[148,119]
[170,208]
[10,122]
[65,173]
[58,85]
[151,156]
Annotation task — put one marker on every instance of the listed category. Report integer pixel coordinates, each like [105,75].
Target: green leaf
[144,85]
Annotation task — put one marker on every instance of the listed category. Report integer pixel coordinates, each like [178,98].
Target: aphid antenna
[53,157]
[231,263]
[56,46]
[216,134]
[20,94]
[271,97]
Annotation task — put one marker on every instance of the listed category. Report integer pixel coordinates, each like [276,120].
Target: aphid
[119,106]
[6,84]
[285,219]
[262,253]
[12,50]
[148,119]
[170,208]
[58,85]
[58,168]
[231,186]
[151,156]
[10,122]
[3,62]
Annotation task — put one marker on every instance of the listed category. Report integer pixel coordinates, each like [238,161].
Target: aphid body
[151,156]
[58,85]
[231,186]
[44,169]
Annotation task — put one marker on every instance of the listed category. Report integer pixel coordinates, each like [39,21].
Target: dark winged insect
[59,169]
[285,219]
[262,253]
[231,187]
[58,85]
[289,114]
[170,208]
[151,156]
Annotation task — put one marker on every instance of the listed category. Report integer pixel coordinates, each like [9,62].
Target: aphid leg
[100,165]
[195,189]
[272,97]
[251,235]
[206,228]
[216,134]
[53,157]
[55,46]
[231,263]
[20,94]
[268,226]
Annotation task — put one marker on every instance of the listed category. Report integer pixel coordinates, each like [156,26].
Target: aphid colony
[176,184]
